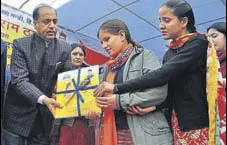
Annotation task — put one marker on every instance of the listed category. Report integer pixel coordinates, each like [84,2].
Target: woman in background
[76,130]
[217,34]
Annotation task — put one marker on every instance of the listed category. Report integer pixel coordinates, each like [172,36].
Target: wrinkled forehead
[46,11]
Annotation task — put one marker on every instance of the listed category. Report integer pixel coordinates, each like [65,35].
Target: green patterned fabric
[217,134]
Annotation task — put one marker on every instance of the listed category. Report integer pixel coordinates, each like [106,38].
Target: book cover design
[75,92]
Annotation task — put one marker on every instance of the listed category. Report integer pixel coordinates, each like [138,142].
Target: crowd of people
[181,101]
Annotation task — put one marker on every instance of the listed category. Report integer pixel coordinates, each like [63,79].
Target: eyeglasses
[48,21]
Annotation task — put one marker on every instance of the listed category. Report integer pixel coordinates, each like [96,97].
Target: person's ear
[122,35]
[35,22]
[184,22]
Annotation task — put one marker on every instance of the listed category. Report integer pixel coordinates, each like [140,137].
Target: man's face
[46,25]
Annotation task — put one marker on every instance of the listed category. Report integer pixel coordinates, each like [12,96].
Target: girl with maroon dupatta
[217,34]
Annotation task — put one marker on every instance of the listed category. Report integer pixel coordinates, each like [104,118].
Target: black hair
[182,9]
[114,26]
[75,45]
[35,13]
[219,26]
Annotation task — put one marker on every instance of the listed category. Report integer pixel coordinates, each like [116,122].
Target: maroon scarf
[222,59]
[180,41]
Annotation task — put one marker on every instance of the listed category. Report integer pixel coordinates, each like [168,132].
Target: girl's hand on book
[107,102]
[105,87]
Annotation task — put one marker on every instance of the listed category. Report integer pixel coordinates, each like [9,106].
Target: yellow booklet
[75,92]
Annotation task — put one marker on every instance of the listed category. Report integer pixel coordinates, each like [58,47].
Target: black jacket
[184,69]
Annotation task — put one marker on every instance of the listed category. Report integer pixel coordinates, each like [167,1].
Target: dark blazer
[184,69]
[34,68]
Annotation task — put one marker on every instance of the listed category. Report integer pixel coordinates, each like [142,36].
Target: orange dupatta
[108,133]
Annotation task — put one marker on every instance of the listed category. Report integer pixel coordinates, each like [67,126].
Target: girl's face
[113,44]
[218,39]
[170,26]
[78,57]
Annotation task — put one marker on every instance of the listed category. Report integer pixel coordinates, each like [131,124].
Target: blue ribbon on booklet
[77,88]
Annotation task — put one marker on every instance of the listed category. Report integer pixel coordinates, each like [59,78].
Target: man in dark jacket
[36,61]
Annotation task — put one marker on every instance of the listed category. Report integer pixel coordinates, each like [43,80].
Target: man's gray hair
[35,13]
